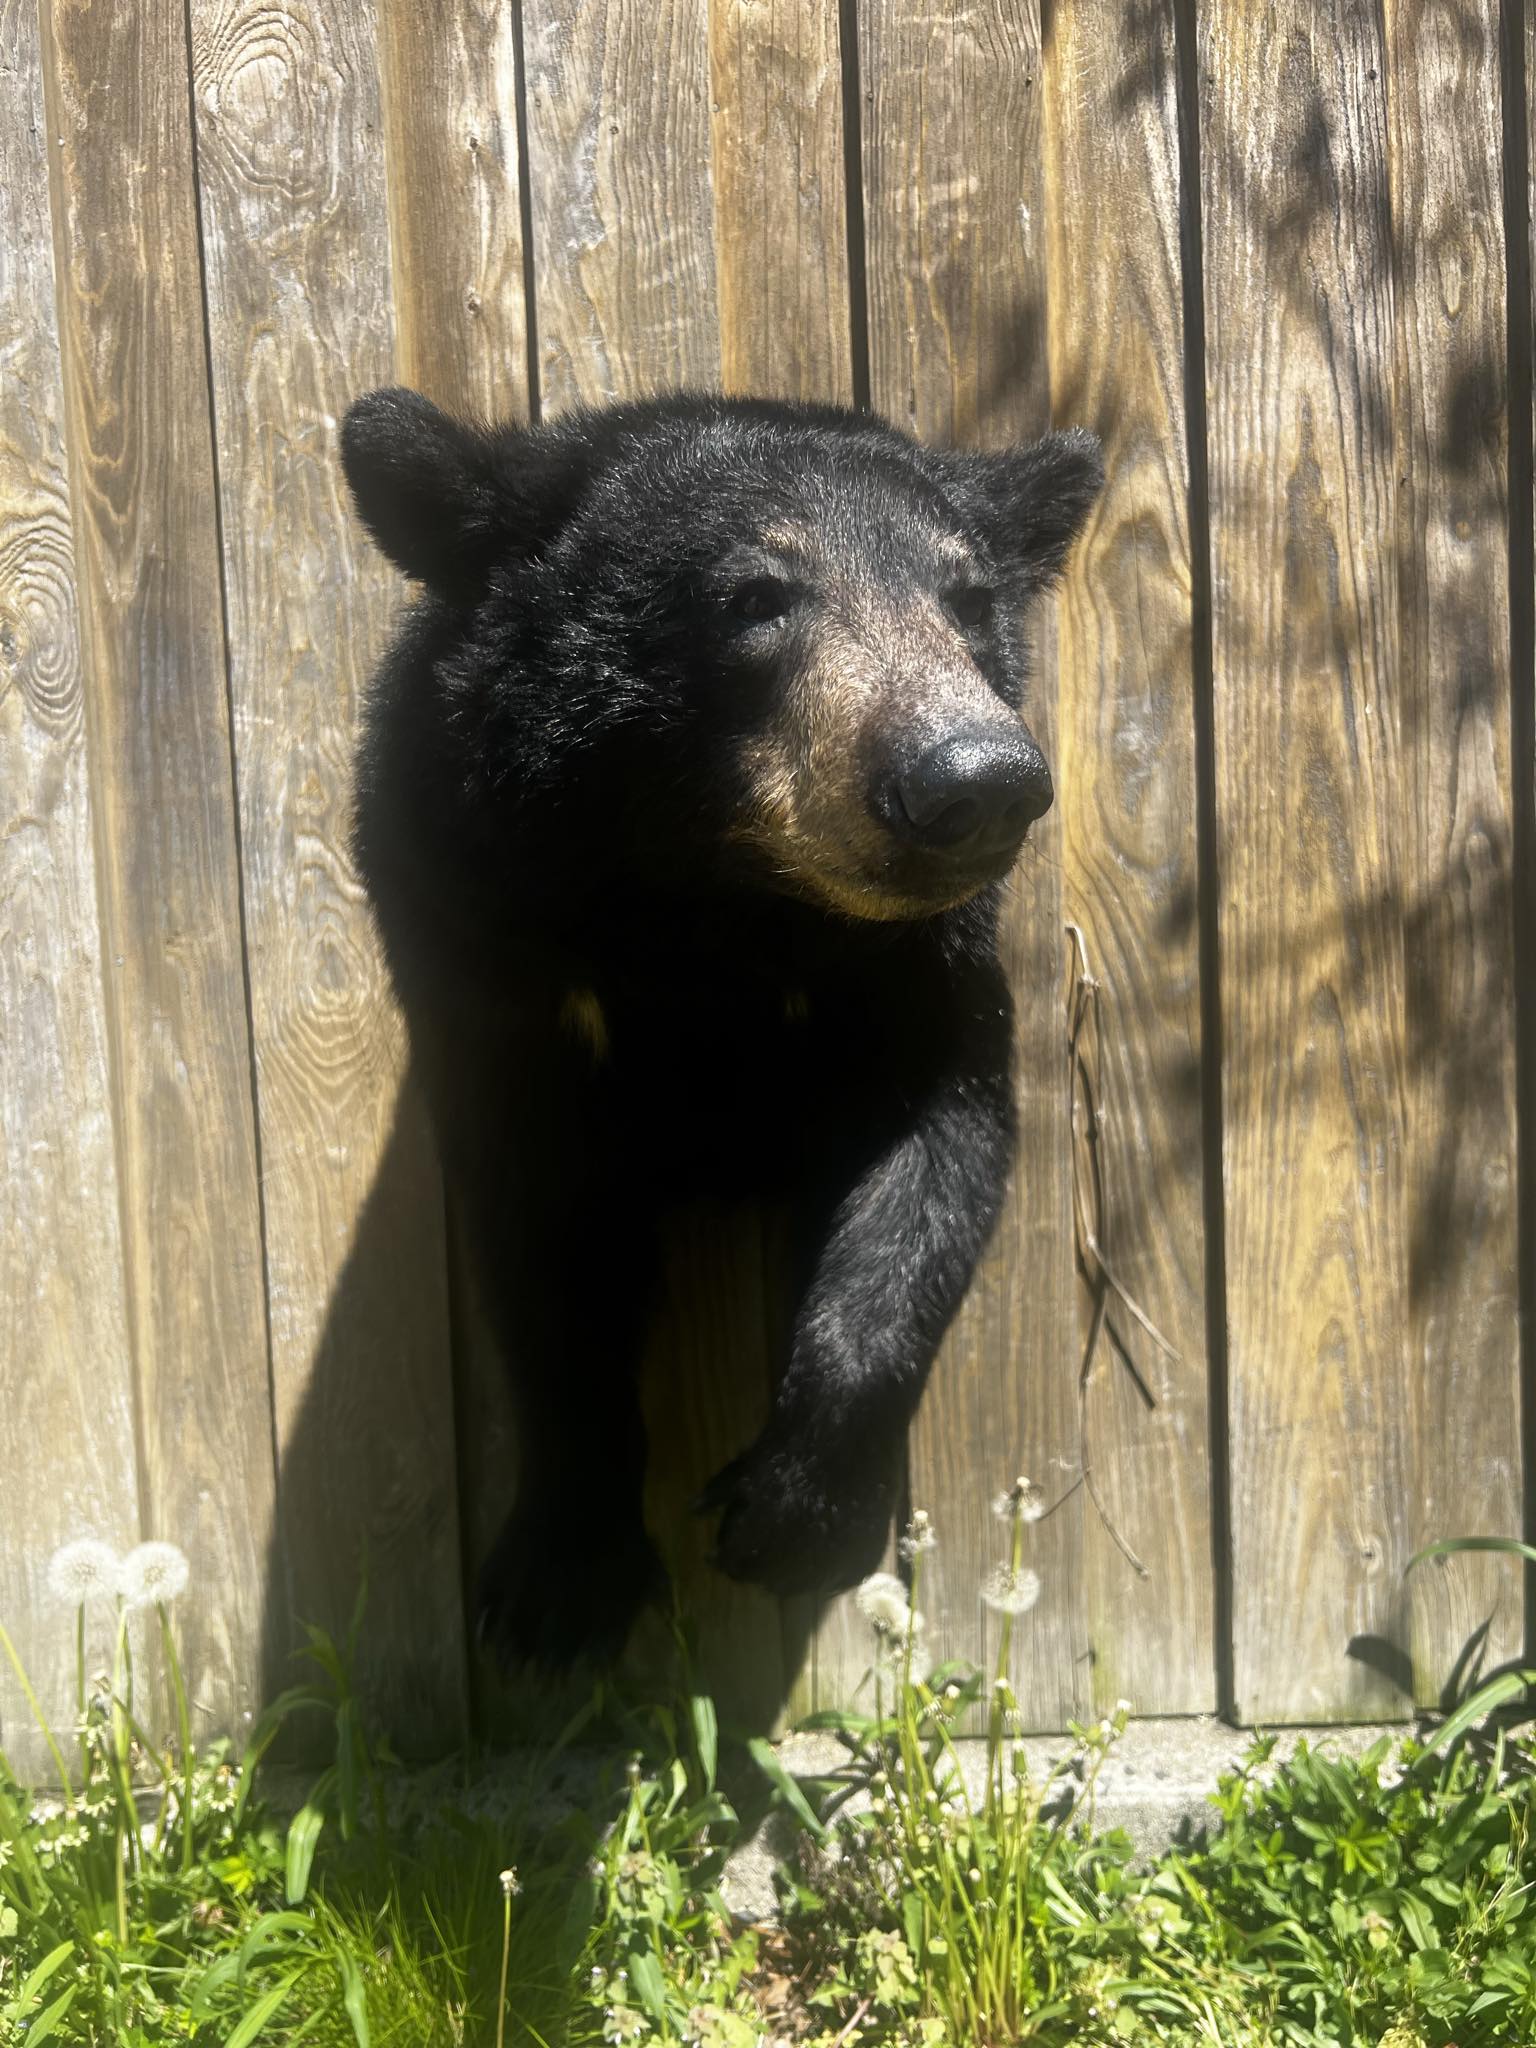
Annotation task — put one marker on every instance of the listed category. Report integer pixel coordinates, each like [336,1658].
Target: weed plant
[1384,1901]
[943,1897]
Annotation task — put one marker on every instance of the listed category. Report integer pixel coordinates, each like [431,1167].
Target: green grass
[1380,1901]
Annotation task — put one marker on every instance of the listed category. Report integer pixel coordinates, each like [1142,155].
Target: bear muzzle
[971,796]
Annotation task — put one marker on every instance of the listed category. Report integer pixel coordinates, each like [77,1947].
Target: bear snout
[974,793]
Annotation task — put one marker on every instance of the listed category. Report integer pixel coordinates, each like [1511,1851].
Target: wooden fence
[1278,257]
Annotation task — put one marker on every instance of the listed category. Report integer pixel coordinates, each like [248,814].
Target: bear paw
[794,1524]
[555,1596]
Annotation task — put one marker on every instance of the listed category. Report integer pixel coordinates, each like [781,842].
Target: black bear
[685,798]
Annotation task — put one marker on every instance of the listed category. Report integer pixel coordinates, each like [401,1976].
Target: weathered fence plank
[146,550]
[294,227]
[1450,424]
[450,86]
[626,304]
[619,168]
[1127,794]
[782,259]
[67,1464]
[450,99]
[957,292]
[1299,324]
[781,231]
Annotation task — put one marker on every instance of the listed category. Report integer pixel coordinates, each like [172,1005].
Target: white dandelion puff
[1023,1499]
[83,1570]
[920,1537]
[509,1884]
[882,1600]
[1007,1591]
[153,1575]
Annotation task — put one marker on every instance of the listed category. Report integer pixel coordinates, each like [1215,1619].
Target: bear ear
[426,487]
[1038,498]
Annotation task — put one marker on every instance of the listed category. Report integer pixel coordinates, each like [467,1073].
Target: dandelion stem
[121,1721]
[184,1731]
[85,1747]
[1000,1676]
[36,1706]
[506,1957]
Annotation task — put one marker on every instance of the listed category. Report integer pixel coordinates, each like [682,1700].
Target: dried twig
[1086,1121]
[858,2013]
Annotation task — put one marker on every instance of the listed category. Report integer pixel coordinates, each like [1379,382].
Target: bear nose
[976,792]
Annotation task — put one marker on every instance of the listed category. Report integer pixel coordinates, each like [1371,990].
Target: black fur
[555,764]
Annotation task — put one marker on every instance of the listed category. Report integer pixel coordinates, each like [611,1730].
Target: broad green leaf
[303,1835]
[352,1997]
[772,1767]
[49,2020]
[912,1921]
[265,2008]
[647,1984]
[706,1735]
[1498,1692]
[1416,1917]
[1452,1546]
[54,1960]
[346,1768]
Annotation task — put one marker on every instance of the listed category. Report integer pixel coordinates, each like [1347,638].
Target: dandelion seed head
[1023,1499]
[83,1570]
[1007,1591]
[882,1600]
[153,1575]
[919,1538]
[509,1884]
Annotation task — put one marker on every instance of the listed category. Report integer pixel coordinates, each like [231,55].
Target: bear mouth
[902,887]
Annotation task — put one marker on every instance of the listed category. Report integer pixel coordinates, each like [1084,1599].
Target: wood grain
[450,91]
[619,168]
[296,242]
[1298,303]
[1450,420]
[176,893]
[781,228]
[68,1459]
[148,572]
[1130,857]
[957,295]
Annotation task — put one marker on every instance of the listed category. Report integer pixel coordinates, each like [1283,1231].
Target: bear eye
[970,604]
[764,598]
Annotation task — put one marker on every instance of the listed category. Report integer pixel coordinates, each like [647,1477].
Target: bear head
[775,644]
